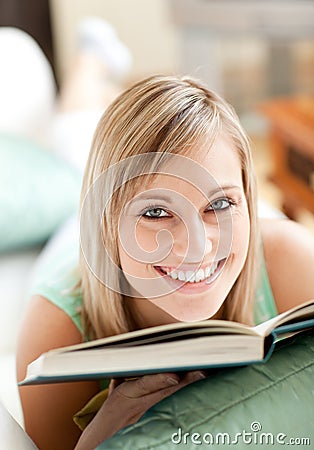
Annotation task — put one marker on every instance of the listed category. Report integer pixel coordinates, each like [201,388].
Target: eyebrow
[227,187]
[165,198]
[143,197]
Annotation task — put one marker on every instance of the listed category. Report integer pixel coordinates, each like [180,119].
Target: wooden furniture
[292,151]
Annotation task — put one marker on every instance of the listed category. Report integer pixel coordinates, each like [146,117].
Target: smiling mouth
[207,274]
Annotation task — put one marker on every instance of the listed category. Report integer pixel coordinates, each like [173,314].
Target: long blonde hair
[161,114]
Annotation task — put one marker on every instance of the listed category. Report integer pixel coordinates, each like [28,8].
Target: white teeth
[190,276]
[181,276]
[199,276]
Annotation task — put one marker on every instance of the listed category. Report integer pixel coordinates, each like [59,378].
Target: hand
[138,395]
[128,401]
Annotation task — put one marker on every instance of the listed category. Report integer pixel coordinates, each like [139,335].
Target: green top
[264,304]
[58,279]
[60,286]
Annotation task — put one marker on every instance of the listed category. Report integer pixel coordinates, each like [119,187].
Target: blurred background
[259,55]
[250,52]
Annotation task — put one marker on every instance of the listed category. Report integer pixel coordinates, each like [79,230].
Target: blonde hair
[161,114]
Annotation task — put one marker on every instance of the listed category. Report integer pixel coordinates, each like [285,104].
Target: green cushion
[277,397]
[38,191]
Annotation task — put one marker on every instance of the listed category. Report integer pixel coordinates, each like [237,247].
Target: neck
[145,314]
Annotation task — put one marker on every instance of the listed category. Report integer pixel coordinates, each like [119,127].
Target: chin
[192,315]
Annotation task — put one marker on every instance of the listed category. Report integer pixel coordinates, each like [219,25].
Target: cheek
[135,247]
[125,260]
[132,266]
[146,239]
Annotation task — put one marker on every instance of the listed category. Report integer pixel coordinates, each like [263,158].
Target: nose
[194,239]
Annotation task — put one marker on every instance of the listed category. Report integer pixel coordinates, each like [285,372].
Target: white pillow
[12,436]
[27,86]
[15,269]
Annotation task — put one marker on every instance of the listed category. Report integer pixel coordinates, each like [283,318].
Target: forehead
[207,169]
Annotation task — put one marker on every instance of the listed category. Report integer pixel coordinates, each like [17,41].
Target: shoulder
[44,327]
[289,256]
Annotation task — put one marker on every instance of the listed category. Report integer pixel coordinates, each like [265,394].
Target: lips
[199,275]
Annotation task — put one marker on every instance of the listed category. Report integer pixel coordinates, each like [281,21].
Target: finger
[188,378]
[115,383]
[148,384]
[192,376]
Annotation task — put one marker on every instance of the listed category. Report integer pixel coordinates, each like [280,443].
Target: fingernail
[172,381]
[201,375]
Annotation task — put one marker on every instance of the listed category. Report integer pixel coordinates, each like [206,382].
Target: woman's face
[183,247]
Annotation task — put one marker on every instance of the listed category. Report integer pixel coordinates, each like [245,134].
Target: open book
[175,347]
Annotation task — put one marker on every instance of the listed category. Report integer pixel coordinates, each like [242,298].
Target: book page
[165,332]
[300,312]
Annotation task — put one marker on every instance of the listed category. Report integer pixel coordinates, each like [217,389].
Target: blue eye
[155,213]
[220,205]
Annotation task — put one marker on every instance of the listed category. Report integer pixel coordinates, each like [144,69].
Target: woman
[169,232]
